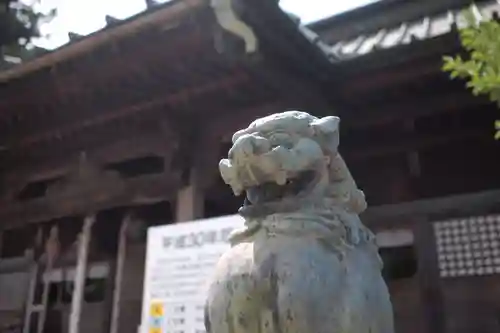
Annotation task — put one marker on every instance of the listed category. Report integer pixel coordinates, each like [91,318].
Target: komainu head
[290,155]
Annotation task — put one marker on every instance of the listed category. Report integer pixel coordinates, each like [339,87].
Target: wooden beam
[103,72]
[435,209]
[420,106]
[77,108]
[18,96]
[190,199]
[114,151]
[363,83]
[137,144]
[75,88]
[414,164]
[300,91]
[226,123]
[109,71]
[412,143]
[61,130]
[168,14]
[412,157]
[431,291]
[137,191]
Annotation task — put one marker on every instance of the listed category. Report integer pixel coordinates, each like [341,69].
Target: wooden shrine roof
[390,23]
[154,85]
[268,21]
[386,31]
[164,63]
[162,82]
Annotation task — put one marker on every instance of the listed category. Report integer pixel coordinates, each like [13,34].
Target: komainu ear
[326,125]
[326,130]
[238,134]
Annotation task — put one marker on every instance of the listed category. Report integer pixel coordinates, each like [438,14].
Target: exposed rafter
[136,191]
[411,109]
[413,142]
[173,12]
[61,129]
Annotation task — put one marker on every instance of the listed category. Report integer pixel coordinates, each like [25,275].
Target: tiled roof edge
[81,44]
[382,14]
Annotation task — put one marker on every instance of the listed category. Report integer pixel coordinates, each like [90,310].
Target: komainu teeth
[237,190]
[281,178]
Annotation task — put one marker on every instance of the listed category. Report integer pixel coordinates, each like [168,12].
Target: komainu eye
[283,139]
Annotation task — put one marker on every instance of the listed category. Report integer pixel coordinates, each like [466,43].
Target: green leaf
[21,22]
[481,69]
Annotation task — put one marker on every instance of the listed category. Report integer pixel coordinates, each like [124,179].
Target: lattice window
[468,247]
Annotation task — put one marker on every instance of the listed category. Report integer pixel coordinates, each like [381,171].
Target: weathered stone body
[304,263]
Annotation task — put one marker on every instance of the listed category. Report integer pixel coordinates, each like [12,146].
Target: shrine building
[129,123]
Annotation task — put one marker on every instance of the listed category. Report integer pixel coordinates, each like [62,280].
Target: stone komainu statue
[304,262]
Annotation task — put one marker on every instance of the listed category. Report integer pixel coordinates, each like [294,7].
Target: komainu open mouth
[271,192]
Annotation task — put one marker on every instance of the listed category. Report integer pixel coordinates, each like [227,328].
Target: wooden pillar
[120,265]
[30,291]
[52,249]
[80,274]
[108,294]
[190,199]
[431,292]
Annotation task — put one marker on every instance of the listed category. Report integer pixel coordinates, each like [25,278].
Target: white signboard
[180,260]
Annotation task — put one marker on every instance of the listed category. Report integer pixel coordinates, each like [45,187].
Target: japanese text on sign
[197,239]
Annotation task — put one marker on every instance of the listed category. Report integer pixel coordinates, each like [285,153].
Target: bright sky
[86,16]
